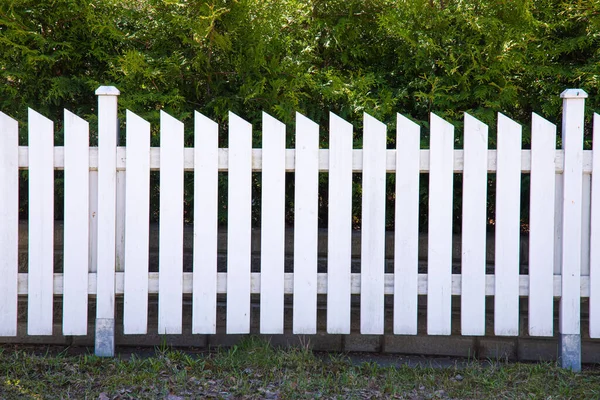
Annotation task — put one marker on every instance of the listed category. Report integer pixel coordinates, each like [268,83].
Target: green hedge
[282,56]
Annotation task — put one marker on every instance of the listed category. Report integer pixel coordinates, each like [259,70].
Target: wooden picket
[239,221]
[107,226]
[40,298]
[339,243]
[541,227]
[474,226]
[76,227]
[9,226]
[306,225]
[170,263]
[272,226]
[439,258]
[206,173]
[137,219]
[508,228]
[406,235]
[372,262]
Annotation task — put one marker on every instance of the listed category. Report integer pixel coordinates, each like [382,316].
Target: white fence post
[569,348]
[107,171]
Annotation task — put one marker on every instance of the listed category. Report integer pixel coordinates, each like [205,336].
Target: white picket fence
[106,225]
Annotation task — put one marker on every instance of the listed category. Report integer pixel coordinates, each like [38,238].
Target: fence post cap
[107,91]
[574,94]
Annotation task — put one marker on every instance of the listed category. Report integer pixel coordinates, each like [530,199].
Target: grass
[254,369]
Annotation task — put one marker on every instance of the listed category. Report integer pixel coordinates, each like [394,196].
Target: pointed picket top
[372,123]
[236,120]
[405,123]
[7,123]
[133,118]
[167,121]
[508,123]
[474,123]
[73,121]
[266,117]
[340,123]
[541,122]
[440,124]
[272,122]
[35,117]
[305,123]
[201,120]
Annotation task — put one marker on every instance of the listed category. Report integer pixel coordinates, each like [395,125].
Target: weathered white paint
[339,242]
[541,227]
[170,261]
[272,251]
[572,131]
[239,214]
[594,313]
[76,226]
[206,143]
[9,228]
[372,260]
[306,205]
[474,225]
[508,228]
[107,161]
[41,225]
[439,253]
[406,235]
[137,219]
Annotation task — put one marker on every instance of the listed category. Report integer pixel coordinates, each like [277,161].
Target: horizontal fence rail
[106,228]
[290,160]
[288,286]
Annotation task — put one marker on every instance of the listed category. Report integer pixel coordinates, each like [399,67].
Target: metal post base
[569,352]
[105,337]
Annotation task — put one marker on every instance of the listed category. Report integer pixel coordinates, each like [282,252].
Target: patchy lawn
[255,370]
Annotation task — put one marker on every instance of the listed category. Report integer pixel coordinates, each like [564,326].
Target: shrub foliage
[316,56]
